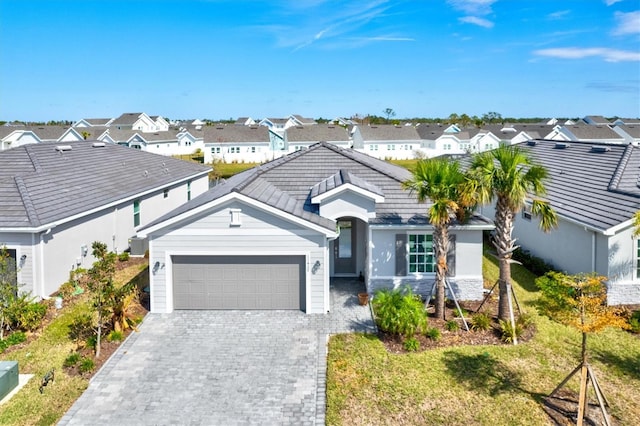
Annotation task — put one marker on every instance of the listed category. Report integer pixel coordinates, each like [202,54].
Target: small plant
[81,328]
[71,360]
[399,312]
[525,320]
[124,256]
[452,325]
[115,336]
[86,365]
[634,322]
[480,322]
[13,339]
[26,314]
[91,342]
[509,334]
[433,333]
[456,313]
[411,344]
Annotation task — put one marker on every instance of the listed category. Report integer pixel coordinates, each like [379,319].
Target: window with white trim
[421,255]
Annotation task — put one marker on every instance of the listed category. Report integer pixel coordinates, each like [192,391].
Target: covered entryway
[239,282]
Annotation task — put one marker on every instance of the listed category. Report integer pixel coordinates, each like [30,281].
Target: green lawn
[484,385]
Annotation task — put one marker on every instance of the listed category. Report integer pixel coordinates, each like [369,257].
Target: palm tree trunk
[503,243]
[440,246]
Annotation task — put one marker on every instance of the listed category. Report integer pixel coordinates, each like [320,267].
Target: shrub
[634,322]
[399,311]
[456,313]
[452,325]
[115,336]
[81,328]
[525,320]
[124,256]
[13,339]
[25,314]
[411,344]
[480,322]
[508,332]
[433,333]
[66,290]
[86,365]
[536,265]
[71,360]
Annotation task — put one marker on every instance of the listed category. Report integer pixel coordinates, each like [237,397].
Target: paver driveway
[221,368]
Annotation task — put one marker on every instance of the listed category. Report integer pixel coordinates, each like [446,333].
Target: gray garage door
[238,282]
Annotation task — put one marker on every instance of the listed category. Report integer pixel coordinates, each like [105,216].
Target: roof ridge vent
[532,143]
[61,148]
[562,145]
[98,144]
[600,148]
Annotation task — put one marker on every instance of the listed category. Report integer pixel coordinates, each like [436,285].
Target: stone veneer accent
[464,288]
[619,293]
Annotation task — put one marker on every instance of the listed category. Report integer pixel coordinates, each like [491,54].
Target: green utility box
[8,377]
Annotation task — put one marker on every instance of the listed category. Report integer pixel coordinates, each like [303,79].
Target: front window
[136,213]
[421,256]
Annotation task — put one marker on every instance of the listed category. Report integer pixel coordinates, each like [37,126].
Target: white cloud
[473,7]
[609,55]
[476,21]
[559,14]
[628,23]
[611,2]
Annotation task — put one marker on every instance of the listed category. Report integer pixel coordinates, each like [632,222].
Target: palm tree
[442,182]
[636,223]
[508,176]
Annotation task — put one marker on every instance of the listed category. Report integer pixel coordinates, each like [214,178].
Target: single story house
[56,199]
[594,189]
[274,236]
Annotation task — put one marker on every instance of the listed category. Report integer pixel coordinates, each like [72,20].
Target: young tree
[580,301]
[442,183]
[389,112]
[102,286]
[508,176]
[8,286]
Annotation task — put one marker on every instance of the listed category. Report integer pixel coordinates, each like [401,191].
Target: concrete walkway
[222,367]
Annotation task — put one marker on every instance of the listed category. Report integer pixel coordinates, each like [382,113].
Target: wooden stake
[582,407]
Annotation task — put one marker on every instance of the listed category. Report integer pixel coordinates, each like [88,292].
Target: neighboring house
[140,121]
[629,132]
[57,199]
[273,236]
[585,132]
[596,120]
[386,141]
[93,122]
[56,133]
[594,190]
[15,136]
[302,137]
[233,143]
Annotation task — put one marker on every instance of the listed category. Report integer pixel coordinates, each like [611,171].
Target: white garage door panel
[238,282]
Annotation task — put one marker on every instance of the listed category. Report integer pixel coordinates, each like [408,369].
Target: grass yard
[45,350]
[479,385]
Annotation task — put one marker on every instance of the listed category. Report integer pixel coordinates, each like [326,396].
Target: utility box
[8,377]
[138,246]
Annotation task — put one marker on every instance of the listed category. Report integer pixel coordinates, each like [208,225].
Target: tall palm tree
[508,176]
[442,182]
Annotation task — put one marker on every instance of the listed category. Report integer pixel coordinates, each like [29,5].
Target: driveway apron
[221,368]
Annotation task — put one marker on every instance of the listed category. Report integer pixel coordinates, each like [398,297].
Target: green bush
[86,365]
[24,313]
[452,325]
[433,334]
[13,339]
[115,336]
[81,328]
[399,312]
[124,256]
[509,334]
[480,322]
[411,344]
[536,265]
[71,360]
[456,313]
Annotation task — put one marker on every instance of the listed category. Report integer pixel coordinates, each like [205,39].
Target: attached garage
[239,282]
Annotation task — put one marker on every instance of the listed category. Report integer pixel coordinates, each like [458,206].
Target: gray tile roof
[98,121]
[598,189]
[430,131]
[340,178]
[287,184]
[126,119]
[317,133]
[597,119]
[40,185]
[593,132]
[49,133]
[632,130]
[233,133]
[388,132]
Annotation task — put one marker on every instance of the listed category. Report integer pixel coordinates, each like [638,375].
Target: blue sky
[223,59]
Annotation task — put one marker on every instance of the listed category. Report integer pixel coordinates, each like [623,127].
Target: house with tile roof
[233,143]
[14,136]
[273,237]
[594,189]
[56,199]
[302,137]
[92,122]
[596,120]
[585,132]
[140,121]
[387,141]
[629,132]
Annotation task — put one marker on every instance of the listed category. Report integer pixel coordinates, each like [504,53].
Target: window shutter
[401,255]
[451,256]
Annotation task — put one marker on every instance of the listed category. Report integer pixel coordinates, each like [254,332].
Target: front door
[344,248]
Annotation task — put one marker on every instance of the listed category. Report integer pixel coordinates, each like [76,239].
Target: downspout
[593,251]
[42,234]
